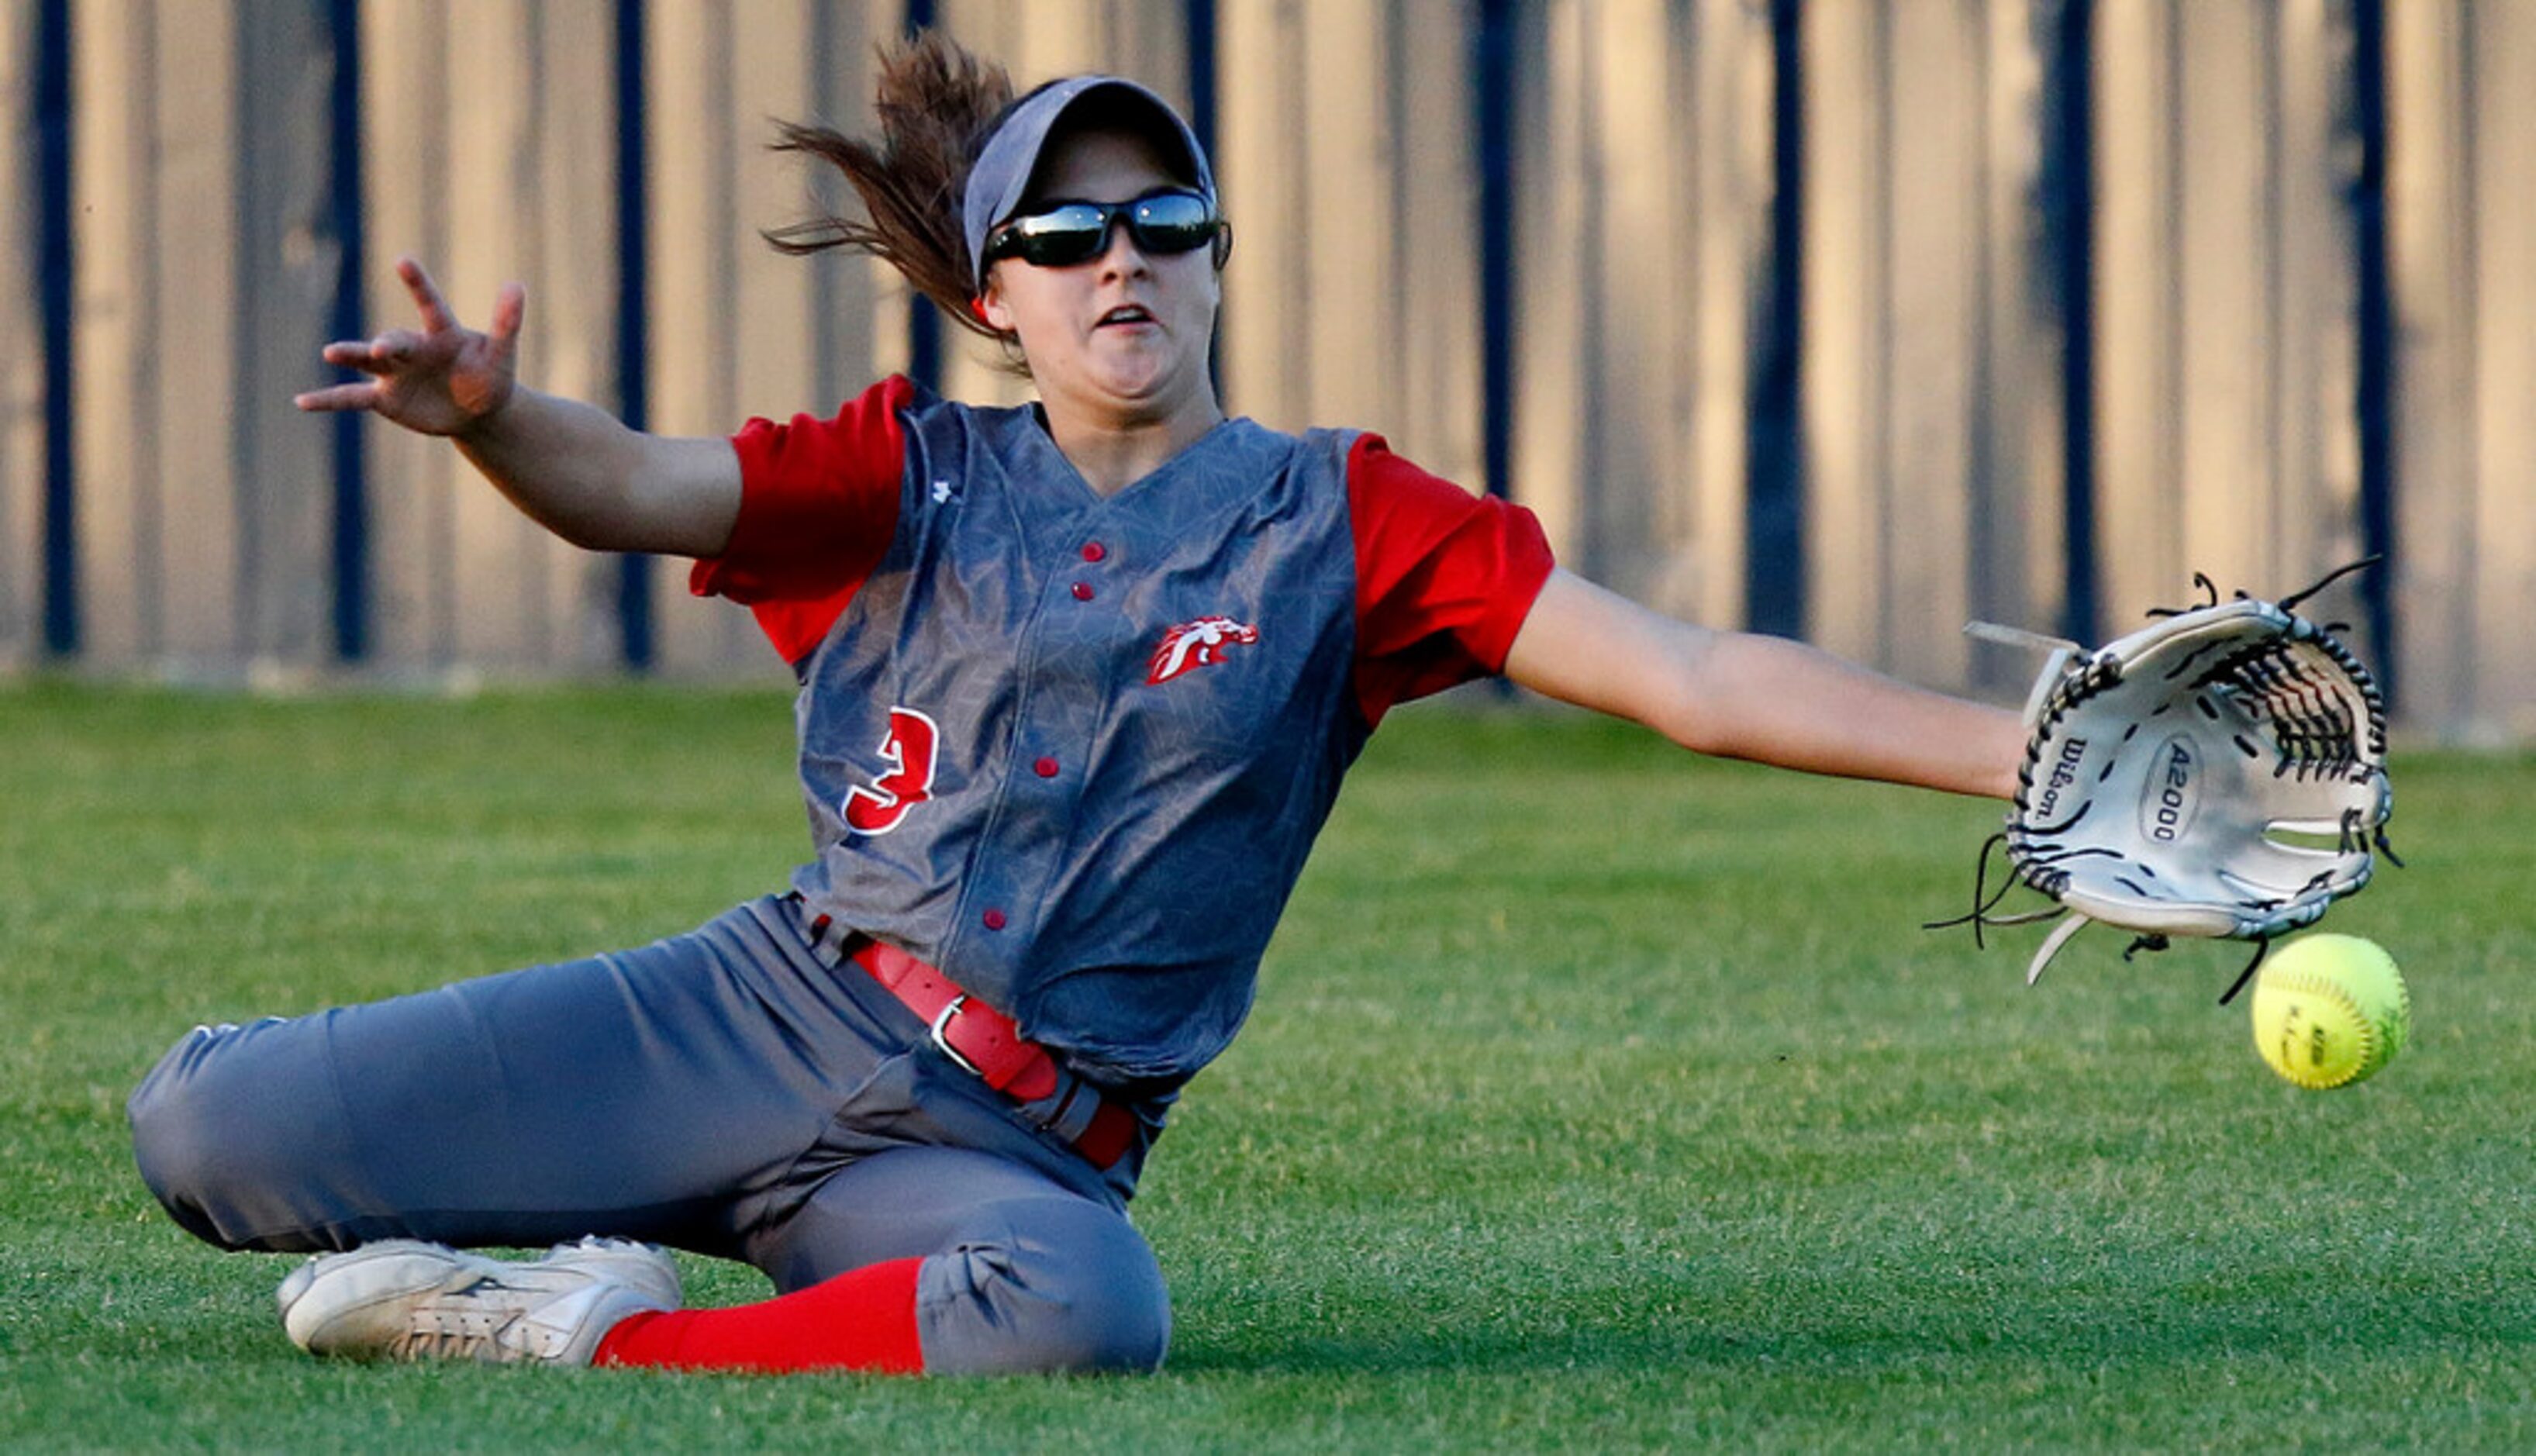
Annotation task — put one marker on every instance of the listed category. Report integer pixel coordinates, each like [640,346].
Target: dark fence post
[633,320]
[1492,116]
[1199,26]
[2068,187]
[2376,386]
[923,323]
[1774,572]
[351,523]
[1197,20]
[53,264]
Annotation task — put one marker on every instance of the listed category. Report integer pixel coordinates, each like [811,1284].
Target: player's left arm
[1767,699]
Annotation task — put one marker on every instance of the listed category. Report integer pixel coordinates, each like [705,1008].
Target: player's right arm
[1767,699]
[573,467]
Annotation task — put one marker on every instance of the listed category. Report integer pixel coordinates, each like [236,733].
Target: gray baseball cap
[1003,173]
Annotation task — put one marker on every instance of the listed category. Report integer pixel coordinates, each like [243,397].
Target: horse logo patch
[1198,644]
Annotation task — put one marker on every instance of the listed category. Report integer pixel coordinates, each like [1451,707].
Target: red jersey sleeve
[818,504]
[1443,577]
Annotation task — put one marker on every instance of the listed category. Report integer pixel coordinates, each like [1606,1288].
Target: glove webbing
[2318,732]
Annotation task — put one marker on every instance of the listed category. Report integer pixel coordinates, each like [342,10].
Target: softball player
[1066,672]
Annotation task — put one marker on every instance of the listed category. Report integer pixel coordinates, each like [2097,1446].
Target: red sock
[863,1319]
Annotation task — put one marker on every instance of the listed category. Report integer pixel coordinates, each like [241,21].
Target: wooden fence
[1849,317]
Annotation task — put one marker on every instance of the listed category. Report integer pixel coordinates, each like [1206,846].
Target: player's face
[1124,335]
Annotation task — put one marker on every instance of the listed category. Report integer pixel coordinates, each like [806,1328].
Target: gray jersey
[1073,750]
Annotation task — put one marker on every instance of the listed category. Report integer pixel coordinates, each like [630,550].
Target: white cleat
[406,1300]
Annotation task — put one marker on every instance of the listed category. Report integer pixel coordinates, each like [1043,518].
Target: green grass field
[1597,1097]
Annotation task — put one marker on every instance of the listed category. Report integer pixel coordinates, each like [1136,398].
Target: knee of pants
[211,1124]
[1043,1285]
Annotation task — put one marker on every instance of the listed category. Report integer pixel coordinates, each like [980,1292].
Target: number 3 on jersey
[910,750]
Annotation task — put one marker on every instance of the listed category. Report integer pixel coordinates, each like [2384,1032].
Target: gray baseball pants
[730,1091]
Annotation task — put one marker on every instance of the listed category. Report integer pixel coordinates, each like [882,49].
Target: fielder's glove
[2221,772]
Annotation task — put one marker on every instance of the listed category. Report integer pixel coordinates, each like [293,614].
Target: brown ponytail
[938,102]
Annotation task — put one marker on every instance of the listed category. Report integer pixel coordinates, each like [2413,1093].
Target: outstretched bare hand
[443,380]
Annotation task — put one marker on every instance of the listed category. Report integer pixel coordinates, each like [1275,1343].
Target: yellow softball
[2330,1010]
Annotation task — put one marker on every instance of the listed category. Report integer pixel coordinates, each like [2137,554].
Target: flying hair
[937,104]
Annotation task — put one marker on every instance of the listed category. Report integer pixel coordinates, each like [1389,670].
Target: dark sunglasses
[1170,220]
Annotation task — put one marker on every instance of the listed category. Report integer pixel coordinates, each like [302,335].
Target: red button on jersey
[1082,591]
[1046,768]
[1093,550]
[994,919]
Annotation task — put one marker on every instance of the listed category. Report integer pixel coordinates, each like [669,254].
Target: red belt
[983,1041]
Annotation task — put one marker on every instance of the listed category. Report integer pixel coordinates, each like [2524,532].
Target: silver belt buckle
[941,1023]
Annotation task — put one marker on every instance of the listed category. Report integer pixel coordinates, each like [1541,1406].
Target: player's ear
[990,308]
